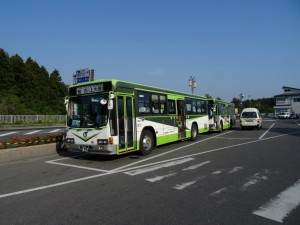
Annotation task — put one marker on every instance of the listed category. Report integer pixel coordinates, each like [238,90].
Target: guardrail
[31,118]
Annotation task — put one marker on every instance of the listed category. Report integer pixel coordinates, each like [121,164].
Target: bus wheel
[146,143]
[194,132]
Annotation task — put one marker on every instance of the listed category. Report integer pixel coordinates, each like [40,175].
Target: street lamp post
[241,97]
[192,83]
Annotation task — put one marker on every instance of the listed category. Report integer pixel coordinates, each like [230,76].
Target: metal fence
[32,118]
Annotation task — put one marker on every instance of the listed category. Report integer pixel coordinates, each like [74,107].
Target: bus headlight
[102,141]
[70,140]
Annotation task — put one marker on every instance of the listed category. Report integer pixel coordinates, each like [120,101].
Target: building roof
[289,91]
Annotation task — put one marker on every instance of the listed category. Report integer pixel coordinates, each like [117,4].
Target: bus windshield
[87,111]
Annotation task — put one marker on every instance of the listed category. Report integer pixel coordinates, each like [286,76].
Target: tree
[27,88]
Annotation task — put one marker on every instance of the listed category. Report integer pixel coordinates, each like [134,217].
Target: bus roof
[125,84]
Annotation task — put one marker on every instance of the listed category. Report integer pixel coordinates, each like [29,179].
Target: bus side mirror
[67,103]
[110,105]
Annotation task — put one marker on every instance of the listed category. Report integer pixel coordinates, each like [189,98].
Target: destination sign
[87,89]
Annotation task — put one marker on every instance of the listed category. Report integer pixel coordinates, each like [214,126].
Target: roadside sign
[82,75]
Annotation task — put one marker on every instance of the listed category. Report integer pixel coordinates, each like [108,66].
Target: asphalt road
[236,177]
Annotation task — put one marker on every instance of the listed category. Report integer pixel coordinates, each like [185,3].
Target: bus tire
[194,132]
[146,142]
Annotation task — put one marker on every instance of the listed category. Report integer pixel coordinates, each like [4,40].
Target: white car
[250,117]
[284,115]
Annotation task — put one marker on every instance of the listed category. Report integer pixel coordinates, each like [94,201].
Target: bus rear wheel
[146,142]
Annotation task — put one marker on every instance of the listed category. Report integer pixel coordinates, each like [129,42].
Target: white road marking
[187,184]
[261,137]
[253,180]
[158,166]
[79,167]
[217,172]
[6,134]
[123,168]
[184,185]
[158,178]
[52,185]
[196,166]
[235,169]
[54,131]
[33,132]
[280,206]
[165,153]
[218,191]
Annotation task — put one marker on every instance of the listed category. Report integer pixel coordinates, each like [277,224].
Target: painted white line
[261,137]
[52,185]
[6,134]
[79,167]
[218,191]
[158,178]
[187,184]
[280,206]
[235,138]
[184,185]
[165,153]
[196,154]
[60,159]
[217,172]
[235,169]
[297,123]
[158,166]
[54,131]
[33,132]
[253,180]
[196,166]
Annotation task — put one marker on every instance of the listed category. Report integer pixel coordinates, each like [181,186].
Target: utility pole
[241,102]
[192,83]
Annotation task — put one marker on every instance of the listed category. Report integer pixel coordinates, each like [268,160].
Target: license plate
[249,121]
[84,148]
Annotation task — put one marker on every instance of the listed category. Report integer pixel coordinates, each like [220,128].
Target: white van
[250,117]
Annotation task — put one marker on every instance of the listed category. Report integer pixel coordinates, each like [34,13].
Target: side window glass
[172,107]
[144,102]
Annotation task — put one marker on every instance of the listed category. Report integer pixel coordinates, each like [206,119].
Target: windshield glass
[249,115]
[87,111]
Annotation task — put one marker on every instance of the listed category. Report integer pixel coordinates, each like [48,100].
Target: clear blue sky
[230,46]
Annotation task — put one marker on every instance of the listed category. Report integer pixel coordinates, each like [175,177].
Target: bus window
[144,102]
[172,106]
[155,103]
[163,101]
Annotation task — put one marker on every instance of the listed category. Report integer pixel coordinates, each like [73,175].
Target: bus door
[212,110]
[126,126]
[181,119]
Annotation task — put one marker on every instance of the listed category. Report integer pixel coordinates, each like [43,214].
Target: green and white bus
[221,115]
[115,117]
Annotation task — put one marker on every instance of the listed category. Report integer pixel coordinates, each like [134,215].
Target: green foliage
[265,105]
[27,88]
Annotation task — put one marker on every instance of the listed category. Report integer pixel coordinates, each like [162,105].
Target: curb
[13,154]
